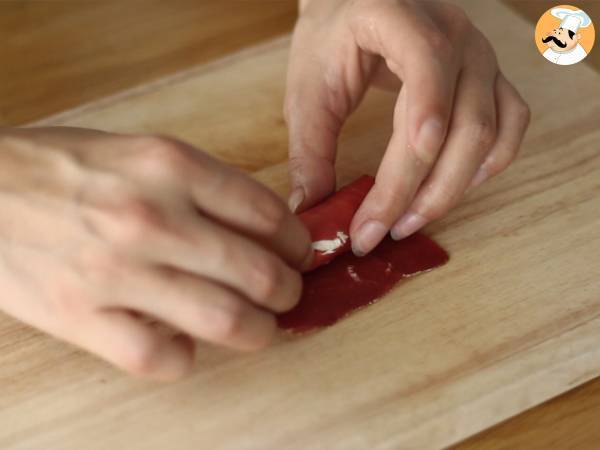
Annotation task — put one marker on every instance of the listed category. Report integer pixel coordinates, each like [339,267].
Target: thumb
[316,105]
[313,131]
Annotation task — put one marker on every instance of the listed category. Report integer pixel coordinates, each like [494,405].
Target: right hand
[457,120]
[99,232]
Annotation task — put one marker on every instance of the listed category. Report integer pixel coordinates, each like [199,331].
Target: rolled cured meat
[329,221]
[343,282]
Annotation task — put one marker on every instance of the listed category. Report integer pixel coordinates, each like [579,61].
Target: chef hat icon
[571,19]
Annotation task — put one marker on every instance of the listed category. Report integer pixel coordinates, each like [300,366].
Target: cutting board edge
[557,371]
[61,117]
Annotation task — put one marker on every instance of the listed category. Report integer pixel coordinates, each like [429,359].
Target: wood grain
[62,53]
[237,118]
[566,422]
[570,420]
[511,321]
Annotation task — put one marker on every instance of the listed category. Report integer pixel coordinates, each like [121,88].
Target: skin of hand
[102,236]
[457,120]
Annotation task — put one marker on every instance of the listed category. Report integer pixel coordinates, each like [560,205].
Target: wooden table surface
[123,44]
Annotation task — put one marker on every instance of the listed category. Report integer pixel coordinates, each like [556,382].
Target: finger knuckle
[264,212]
[138,220]
[498,162]
[438,202]
[140,357]
[485,132]
[425,157]
[102,266]
[220,252]
[68,297]
[228,323]
[481,132]
[436,209]
[272,213]
[481,50]
[456,15]
[297,163]
[266,277]
[437,45]
[163,156]
[198,314]
[387,198]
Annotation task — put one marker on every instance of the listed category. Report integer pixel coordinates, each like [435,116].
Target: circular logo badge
[565,35]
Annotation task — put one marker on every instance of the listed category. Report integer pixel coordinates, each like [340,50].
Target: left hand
[457,120]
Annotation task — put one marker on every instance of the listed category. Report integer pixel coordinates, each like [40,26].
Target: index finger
[416,50]
[399,175]
[238,201]
[423,58]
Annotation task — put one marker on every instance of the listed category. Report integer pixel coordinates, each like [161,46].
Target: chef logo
[565,35]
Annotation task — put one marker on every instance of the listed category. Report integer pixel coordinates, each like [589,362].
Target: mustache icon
[556,41]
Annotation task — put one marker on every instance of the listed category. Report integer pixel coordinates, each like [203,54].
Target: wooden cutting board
[512,320]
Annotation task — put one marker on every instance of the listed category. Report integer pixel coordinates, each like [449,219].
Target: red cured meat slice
[348,282]
[330,220]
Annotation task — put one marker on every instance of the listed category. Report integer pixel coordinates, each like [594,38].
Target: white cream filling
[388,268]
[353,274]
[328,246]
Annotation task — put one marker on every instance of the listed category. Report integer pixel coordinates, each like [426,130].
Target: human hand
[99,232]
[457,120]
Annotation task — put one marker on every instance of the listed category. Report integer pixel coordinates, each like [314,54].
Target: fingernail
[479,177]
[296,198]
[407,225]
[429,139]
[368,236]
